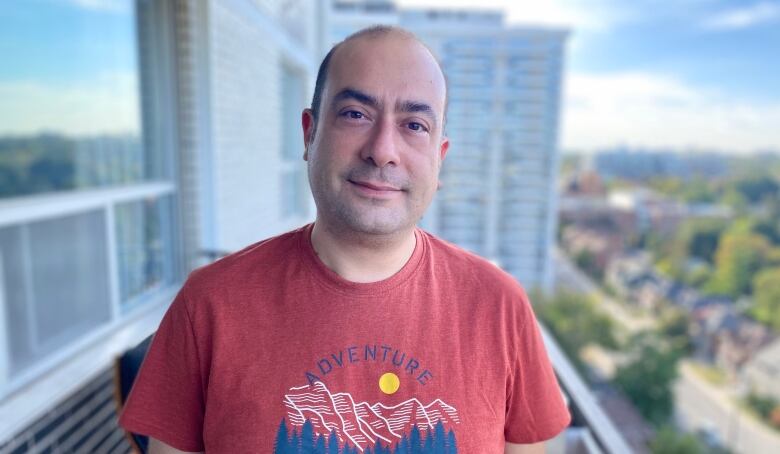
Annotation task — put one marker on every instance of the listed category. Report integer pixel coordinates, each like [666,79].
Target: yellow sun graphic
[389,383]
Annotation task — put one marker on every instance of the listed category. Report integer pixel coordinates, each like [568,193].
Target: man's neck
[360,257]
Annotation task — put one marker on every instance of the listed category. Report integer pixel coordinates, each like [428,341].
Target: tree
[415,441]
[669,441]
[320,446]
[452,445]
[648,377]
[333,443]
[575,323]
[738,259]
[586,261]
[428,446]
[766,297]
[402,447]
[439,438]
[699,238]
[282,445]
[307,436]
[295,442]
[674,328]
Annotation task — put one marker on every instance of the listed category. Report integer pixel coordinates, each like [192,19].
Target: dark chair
[126,368]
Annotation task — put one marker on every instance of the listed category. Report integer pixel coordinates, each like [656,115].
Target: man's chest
[363,385]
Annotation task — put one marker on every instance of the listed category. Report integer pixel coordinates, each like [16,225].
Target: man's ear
[444,147]
[309,125]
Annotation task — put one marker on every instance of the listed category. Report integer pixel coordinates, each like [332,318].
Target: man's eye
[414,126]
[354,114]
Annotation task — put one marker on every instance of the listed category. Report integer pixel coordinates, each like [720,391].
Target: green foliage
[762,405]
[738,258]
[766,297]
[648,377]
[586,261]
[758,188]
[694,190]
[696,238]
[699,238]
[669,441]
[673,327]
[36,164]
[575,322]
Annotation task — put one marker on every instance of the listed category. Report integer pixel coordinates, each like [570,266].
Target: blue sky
[682,74]
[69,66]
[685,74]
[730,45]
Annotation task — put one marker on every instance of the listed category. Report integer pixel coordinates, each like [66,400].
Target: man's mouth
[374,186]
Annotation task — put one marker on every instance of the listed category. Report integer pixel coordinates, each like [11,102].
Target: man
[359,333]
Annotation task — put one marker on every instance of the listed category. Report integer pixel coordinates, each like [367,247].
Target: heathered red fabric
[268,348]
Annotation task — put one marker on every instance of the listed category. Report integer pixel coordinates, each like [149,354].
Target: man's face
[376,150]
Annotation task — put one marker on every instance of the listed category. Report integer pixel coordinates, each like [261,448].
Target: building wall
[499,179]
[248,52]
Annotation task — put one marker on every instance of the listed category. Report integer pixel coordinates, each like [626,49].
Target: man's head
[375,132]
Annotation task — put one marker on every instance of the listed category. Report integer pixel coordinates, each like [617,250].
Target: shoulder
[262,258]
[468,268]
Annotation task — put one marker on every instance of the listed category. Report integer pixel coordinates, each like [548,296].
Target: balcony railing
[591,430]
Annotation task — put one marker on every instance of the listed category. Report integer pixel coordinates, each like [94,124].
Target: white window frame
[36,390]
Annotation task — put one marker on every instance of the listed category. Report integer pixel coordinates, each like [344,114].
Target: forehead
[391,67]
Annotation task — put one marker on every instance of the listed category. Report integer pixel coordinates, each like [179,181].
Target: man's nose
[382,148]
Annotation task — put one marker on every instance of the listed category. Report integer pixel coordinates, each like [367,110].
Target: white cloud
[107,104]
[642,109]
[743,17]
[596,15]
[112,6]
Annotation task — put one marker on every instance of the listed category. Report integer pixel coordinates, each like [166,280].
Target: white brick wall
[246,60]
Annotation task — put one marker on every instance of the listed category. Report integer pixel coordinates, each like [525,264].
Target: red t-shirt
[268,348]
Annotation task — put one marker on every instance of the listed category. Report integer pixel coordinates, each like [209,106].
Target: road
[700,404]
[568,276]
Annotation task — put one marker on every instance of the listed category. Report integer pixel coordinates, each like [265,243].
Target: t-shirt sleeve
[535,410]
[167,398]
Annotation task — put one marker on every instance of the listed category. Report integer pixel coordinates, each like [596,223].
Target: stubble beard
[350,213]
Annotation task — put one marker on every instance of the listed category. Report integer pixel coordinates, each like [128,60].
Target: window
[294,191]
[87,197]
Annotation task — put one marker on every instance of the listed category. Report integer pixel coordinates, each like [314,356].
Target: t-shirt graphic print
[321,420]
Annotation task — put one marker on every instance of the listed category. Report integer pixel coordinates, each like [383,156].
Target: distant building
[762,373]
[584,183]
[640,165]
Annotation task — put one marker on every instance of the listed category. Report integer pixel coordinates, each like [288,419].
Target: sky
[684,74]
[68,66]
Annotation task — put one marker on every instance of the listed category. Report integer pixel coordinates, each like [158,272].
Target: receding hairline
[372,32]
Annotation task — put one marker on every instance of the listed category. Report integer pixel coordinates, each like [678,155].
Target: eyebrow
[372,101]
[357,95]
[417,107]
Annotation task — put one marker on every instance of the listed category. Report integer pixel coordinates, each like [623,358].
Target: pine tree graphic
[426,441]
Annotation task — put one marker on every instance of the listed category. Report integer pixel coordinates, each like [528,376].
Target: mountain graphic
[362,424]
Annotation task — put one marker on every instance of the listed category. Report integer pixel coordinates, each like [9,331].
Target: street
[701,405]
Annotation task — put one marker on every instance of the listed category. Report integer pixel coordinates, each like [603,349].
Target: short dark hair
[373,31]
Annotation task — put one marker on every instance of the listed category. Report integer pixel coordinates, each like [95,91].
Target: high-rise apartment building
[498,195]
